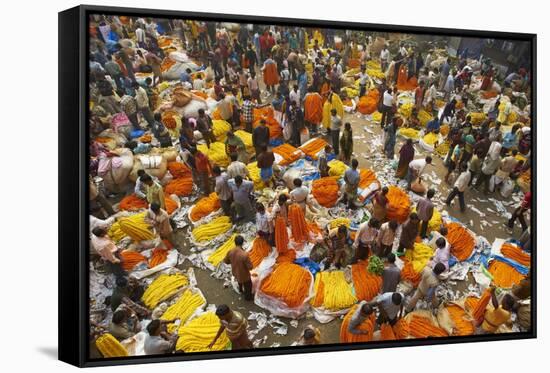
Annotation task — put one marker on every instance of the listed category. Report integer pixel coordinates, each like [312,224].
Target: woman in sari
[406,155]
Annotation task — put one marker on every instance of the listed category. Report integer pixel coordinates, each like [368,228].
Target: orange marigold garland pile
[313,147]
[409,274]
[288,282]
[386,332]
[158,256]
[298,223]
[170,205]
[366,284]
[463,326]
[129,259]
[504,275]
[399,204]
[260,249]
[205,206]
[281,235]
[182,186]
[289,153]
[515,253]
[325,191]
[462,242]
[366,178]
[421,327]
[178,169]
[133,202]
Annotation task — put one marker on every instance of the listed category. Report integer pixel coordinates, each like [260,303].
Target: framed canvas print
[235,186]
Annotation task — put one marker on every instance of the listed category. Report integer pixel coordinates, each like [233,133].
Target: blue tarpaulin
[311,266]
[518,267]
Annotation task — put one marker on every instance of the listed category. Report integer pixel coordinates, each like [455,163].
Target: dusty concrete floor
[215,292]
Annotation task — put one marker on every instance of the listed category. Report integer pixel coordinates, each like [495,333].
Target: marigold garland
[325,191]
[288,282]
[462,242]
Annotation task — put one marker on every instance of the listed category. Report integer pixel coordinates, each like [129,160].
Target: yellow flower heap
[184,307]
[217,256]
[162,288]
[198,333]
[209,231]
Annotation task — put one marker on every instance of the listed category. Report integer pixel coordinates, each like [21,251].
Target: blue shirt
[433,125]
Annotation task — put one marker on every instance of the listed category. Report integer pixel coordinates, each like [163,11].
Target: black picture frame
[73,183]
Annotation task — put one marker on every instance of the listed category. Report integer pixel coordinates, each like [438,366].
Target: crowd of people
[273,87]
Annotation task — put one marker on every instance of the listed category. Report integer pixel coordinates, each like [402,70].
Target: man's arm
[220,331]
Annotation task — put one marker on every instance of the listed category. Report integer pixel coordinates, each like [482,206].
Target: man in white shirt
[387,107]
[236,168]
[384,58]
[416,167]
[294,95]
[299,194]
[460,186]
[365,239]
[140,36]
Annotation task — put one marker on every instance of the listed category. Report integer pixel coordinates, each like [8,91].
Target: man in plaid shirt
[247,111]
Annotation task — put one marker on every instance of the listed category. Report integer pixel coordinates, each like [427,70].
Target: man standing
[335,125]
[265,163]
[299,194]
[387,107]
[240,267]
[351,178]
[384,58]
[391,275]
[142,102]
[260,137]
[247,110]
[242,192]
[390,305]
[409,231]
[234,324]
[365,239]
[426,288]
[425,210]
[385,239]
[460,186]
[204,126]
[129,107]
[222,190]
[520,211]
